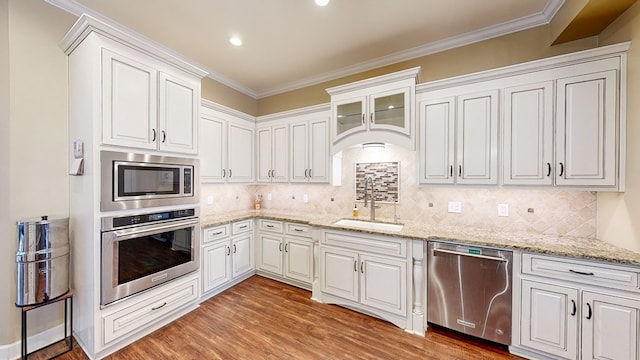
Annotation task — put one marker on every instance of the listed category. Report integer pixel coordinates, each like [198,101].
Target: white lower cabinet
[574,309]
[367,272]
[226,259]
[285,252]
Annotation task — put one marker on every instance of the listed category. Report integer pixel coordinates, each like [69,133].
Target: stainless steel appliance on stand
[469,289]
[42,260]
[144,250]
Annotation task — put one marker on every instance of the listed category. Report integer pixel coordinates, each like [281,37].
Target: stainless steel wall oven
[134,181]
[145,250]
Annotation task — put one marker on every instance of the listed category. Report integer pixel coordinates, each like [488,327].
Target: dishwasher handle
[452,252]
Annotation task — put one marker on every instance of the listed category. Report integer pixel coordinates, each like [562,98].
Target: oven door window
[146,255]
[136,180]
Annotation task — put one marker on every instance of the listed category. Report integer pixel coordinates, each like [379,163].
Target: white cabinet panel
[437,141]
[129,98]
[549,318]
[586,129]
[242,254]
[213,149]
[528,134]
[273,153]
[340,273]
[310,150]
[298,259]
[270,253]
[179,101]
[477,138]
[383,284]
[215,265]
[240,154]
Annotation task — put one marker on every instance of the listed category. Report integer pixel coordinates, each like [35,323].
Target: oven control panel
[130,220]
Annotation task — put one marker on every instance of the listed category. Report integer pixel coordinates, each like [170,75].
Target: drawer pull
[581,272]
[573,312]
[235,250]
[159,307]
[355,265]
[243,226]
[296,229]
[217,233]
[228,251]
[590,312]
[269,226]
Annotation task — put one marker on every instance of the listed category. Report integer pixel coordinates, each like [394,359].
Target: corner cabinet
[226,145]
[380,109]
[147,104]
[573,309]
[301,156]
[559,122]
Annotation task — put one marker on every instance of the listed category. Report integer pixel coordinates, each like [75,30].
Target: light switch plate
[305,198]
[503,209]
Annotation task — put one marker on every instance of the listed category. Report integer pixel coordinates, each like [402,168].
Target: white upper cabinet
[586,129]
[226,145]
[273,153]
[146,106]
[380,109]
[459,139]
[304,149]
[528,134]
[553,122]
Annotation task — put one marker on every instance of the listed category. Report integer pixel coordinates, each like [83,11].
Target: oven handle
[125,234]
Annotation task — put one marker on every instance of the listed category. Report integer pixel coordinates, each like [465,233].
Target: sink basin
[369,225]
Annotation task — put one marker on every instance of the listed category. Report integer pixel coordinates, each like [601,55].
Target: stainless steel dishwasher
[469,290]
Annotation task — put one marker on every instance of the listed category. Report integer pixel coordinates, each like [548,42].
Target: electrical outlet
[305,198]
[454,207]
[269,197]
[209,199]
[503,209]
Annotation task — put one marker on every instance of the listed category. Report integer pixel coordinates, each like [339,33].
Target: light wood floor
[265,319]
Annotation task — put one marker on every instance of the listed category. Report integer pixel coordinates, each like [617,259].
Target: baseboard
[37,341]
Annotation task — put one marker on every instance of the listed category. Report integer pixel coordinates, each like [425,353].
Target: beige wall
[619,214]
[511,49]
[224,95]
[34,149]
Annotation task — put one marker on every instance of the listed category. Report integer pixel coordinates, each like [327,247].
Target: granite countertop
[582,248]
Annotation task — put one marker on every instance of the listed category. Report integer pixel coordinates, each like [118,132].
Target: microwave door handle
[125,234]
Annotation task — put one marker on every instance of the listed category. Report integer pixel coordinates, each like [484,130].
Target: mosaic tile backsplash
[384,176]
[554,212]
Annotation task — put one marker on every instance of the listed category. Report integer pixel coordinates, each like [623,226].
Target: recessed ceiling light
[235,41]
[322,2]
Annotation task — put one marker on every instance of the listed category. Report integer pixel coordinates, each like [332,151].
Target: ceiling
[290,44]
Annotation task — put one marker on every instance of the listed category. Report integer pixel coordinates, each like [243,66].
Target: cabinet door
[528,134]
[383,284]
[298,260]
[550,318]
[477,138]
[610,327]
[179,111]
[391,110]
[270,253]
[264,154]
[280,155]
[129,101]
[349,116]
[437,141]
[242,254]
[319,151]
[240,154]
[213,149]
[586,129]
[339,273]
[216,265]
[299,156]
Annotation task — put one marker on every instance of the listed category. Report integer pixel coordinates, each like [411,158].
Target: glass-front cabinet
[379,109]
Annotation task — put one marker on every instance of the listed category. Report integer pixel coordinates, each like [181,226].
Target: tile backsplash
[385,178]
[545,211]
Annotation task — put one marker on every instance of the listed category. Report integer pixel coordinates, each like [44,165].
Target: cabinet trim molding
[375,81]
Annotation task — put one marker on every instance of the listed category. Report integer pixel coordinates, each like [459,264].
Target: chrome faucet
[369,180]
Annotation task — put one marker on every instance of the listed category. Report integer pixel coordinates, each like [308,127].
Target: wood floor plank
[264,319]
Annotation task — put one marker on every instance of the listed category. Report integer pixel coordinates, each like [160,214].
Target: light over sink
[369,225]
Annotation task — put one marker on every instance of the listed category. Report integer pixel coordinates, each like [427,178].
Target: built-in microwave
[133,181]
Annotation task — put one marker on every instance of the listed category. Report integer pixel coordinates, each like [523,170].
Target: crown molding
[226,110]
[313,109]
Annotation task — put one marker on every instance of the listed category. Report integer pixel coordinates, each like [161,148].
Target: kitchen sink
[371,225]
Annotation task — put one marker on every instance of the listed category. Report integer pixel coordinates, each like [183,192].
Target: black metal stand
[68,314]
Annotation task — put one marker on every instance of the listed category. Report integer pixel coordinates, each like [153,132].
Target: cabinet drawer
[144,312]
[216,233]
[580,271]
[271,225]
[240,227]
[371,243]
[298,229]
